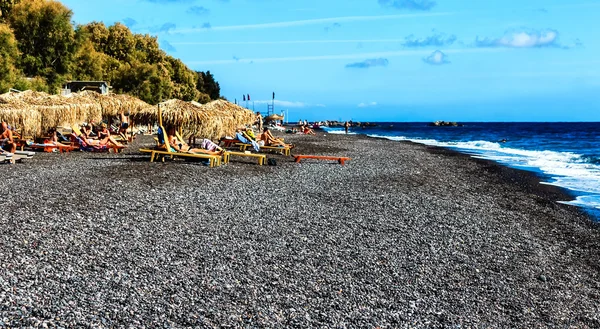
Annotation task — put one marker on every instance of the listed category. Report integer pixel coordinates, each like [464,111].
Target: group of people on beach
[99,135]
[246,135]
[90,134]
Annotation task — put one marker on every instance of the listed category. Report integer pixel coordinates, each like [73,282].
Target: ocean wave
[337,131]
[588,201]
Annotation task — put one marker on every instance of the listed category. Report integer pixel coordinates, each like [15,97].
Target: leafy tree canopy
[39,42]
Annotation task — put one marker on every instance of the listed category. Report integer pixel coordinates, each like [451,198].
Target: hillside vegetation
[40,49]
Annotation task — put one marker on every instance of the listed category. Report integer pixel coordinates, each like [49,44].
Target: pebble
[388,240]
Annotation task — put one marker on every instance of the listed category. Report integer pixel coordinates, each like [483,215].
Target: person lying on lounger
[179,146]
[242,134]
[270,140]
[104,137]
[53,139]
[88,130]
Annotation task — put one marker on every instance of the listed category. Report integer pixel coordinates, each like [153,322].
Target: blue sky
[384,60]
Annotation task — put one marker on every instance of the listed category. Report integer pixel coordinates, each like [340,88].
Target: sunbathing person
[104,137]
[243,136]
[181,146]
[6,139]
[270,140]
[53,138]
[307,131]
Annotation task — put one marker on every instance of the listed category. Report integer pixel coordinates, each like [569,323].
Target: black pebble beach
[402,236]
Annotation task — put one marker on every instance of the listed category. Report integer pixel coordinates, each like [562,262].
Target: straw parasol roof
[113,104]
[27,121]
[212,120]
[55,110]
[274,117]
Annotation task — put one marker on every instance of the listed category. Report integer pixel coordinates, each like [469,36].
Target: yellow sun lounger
[214,160]
[282,150]
[262,159]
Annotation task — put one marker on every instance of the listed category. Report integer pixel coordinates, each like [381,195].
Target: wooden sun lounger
[6,158]
[61,148]
[214,160]
[228,142]
[340,160]
[283,150]
[262,159]
[25,154]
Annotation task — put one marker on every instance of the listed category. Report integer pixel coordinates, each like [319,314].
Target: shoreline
[403,235]
[569,195]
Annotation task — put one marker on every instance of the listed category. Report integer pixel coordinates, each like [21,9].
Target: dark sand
[402,236]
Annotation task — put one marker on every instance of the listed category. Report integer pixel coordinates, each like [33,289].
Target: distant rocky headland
[352,124]
[445,124]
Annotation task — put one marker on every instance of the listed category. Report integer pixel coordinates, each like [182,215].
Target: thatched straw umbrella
[213,120]
[274,117]
[55,110]
[113,104]
[27,121]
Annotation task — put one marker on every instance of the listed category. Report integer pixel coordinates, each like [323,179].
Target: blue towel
[245,140]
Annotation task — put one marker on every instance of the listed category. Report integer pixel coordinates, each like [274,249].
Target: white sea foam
[588,201]
[336,131]
[565,169]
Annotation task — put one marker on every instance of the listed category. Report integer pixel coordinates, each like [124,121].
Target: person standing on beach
[259,120]
[346,126]
[124,124]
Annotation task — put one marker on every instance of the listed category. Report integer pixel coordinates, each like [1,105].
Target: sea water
[562,154]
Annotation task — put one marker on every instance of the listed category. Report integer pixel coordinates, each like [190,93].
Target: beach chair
[24,154]
[262,159]
[165,150]
[340,160]
[229,142]
[49,148]
[6,157]
[86,147]
[284,150]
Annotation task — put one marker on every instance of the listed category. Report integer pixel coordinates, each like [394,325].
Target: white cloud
[309,22]
[521,39]
[371,104]
[436,58]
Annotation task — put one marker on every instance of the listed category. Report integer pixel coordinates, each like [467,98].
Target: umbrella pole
[159,116]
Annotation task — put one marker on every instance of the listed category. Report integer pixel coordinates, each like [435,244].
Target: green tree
[147,49]
[9,53]
[207,84]
[184,80]
[45,37]
[6,7]
[120,43]
[88,64]
[96,32]
[40,49]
